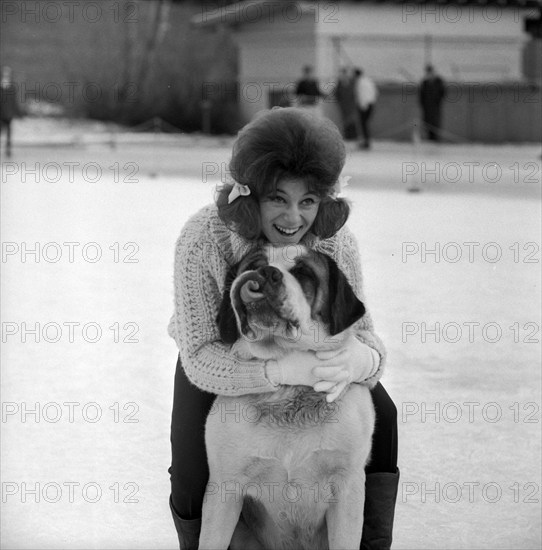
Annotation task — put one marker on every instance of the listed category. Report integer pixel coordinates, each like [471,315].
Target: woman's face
[289,213]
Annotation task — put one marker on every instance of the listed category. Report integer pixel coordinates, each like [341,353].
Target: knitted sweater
[205,251]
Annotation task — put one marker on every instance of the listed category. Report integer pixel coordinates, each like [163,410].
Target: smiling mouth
[287,232]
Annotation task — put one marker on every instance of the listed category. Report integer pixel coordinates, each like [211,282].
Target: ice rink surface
[452,280]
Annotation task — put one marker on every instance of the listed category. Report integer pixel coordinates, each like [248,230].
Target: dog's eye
[252,262]
[303,273]
[259,262]
[307,280]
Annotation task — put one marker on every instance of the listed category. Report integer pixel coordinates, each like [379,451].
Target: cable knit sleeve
[343,248]
[199,280]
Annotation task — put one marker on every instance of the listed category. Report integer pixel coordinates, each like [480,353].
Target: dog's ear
[225,319]
[344,307]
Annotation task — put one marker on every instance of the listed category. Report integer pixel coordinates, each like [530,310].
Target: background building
[210,66]
[488,53]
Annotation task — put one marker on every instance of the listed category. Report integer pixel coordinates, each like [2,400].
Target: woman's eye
[309,202]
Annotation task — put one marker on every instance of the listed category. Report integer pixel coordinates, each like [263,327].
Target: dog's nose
[271,274]
[250,292]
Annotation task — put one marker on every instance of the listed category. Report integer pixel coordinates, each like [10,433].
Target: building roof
[238,12]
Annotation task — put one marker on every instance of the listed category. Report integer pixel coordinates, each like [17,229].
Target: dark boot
[380,497]
[188,530]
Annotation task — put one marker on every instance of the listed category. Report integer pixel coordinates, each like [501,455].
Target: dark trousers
[431,122]
[189,470]
[6,124]
[364,117]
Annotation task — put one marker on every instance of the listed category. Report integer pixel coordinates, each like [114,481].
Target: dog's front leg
[344,517]
[221,510]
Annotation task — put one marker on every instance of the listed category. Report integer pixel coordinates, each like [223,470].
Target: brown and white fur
[286,467]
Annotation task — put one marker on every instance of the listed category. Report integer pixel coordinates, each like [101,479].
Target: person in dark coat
[431,94]
[307,89]
[9,107]
[345,94]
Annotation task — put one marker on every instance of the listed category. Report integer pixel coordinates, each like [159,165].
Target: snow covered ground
[452,276]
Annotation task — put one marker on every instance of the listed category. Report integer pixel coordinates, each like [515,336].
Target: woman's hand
[354,362]
[295,369]
[325,371]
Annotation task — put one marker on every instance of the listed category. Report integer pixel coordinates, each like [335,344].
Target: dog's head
[283,295]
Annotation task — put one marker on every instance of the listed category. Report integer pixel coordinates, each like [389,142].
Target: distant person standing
[366,96]
[345,94]
[9,107]
[308,89]
[431,94]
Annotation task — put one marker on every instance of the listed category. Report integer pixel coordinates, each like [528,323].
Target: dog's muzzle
[265,282]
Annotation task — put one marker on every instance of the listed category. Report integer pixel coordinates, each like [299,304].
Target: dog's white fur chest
[289,471]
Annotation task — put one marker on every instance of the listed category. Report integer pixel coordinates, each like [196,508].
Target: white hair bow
[238,190]
[338,189]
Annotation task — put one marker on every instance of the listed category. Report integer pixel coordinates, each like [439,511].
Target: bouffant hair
[285,143]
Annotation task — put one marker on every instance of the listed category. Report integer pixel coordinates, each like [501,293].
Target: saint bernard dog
[287,467]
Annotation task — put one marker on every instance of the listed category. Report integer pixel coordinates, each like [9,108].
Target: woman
[285,164]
